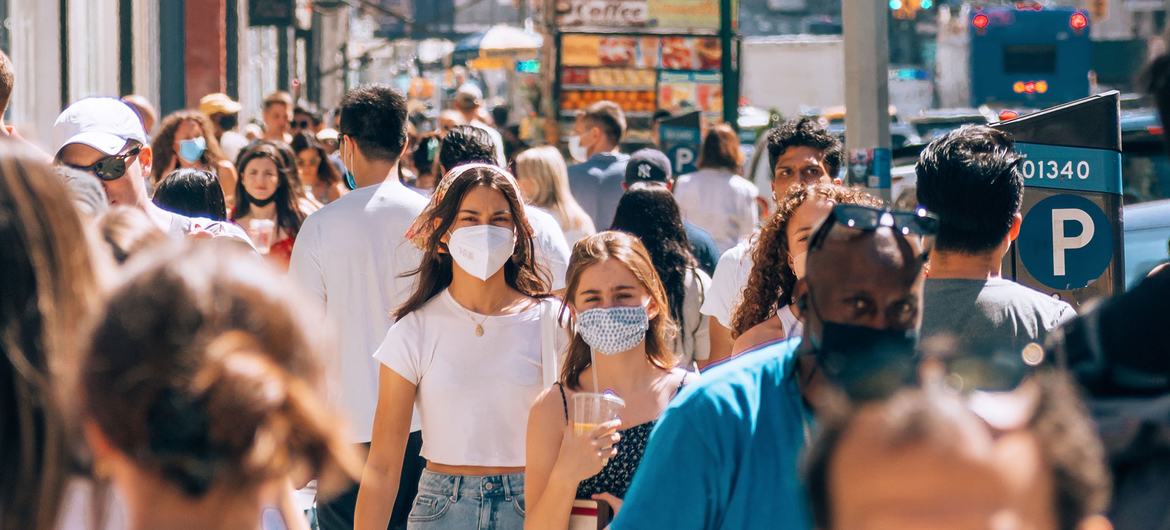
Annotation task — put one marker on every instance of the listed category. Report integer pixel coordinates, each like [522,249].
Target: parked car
[1146,239]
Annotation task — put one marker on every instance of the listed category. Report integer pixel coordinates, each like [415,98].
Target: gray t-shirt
[989,316]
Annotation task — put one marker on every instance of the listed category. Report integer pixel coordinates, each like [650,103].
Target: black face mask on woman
[259,202]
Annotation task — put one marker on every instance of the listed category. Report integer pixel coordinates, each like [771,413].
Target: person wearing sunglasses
[892,465]
[104,137]
[971,179]
[745,424]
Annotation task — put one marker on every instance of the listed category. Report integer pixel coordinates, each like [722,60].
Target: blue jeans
[460,502]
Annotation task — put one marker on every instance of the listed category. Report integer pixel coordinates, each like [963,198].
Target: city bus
[1029,56]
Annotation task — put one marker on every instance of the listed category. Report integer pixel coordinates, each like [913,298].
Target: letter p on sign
[1062,243]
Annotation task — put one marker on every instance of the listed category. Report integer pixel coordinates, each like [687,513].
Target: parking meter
[1070,243]
[680,138]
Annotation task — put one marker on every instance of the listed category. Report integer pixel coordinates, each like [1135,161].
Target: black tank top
[616,476]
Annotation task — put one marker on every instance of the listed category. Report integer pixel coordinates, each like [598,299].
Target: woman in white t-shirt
[715,198]
[472,348]
[766,313]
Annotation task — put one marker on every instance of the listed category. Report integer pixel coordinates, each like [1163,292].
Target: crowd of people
[203,327]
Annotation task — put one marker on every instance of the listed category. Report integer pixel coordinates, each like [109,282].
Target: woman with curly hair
[186,139]
[766,313]
[650,213]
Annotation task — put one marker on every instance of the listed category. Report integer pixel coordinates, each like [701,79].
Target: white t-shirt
[694,335]
[350,257]
[552,250]
[473,392]
[182,225]
[731,276]
[232,143]
[721,203]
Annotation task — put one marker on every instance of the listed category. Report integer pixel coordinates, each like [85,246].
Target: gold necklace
[479,324]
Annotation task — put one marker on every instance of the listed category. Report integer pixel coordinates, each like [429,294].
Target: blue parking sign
[1066,241]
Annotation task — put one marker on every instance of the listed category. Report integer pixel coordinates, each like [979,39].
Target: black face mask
[866,363]
[257,202]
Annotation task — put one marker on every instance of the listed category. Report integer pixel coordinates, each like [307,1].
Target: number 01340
[1052,169]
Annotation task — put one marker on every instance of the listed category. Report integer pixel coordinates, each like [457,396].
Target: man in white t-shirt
[104,137]
[801,152]
[465,144]
[350,257]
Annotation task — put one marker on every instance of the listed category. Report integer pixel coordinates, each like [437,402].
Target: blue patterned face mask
[612,330]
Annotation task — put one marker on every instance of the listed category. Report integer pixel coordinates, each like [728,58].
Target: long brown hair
[289,215]
[163,145]
[769,286]
[203,372]
[624,248]
[48,287]
[521,273]
[720,149]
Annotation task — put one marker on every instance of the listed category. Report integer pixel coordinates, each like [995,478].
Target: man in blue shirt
[725,453]
[596,182]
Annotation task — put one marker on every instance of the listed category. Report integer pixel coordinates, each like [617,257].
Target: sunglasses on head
[920,223]
[111,167]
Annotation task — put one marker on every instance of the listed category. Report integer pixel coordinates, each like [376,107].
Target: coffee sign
[604,13]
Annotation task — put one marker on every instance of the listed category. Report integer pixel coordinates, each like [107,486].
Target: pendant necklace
[478,324]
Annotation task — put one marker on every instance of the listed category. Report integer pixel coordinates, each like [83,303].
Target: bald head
[867,278]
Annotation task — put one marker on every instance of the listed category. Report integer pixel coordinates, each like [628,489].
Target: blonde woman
[544,181]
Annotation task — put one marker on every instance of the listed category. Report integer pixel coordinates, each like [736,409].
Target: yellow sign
[581,50]
[684,14]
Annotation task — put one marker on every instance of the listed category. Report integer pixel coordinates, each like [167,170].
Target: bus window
[1029,59]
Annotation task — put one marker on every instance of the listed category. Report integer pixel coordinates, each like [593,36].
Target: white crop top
[473,392]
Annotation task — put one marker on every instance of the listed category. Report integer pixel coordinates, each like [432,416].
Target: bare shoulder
[549,406]
[766,331]
[225,165]
[546,420]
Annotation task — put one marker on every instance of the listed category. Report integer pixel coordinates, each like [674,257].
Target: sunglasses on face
[302,124]
[919,223]
[111,167]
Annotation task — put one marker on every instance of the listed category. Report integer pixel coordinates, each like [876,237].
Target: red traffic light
[1078,21]
[980,21]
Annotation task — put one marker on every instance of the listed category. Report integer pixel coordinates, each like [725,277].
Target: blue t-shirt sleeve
[678,483]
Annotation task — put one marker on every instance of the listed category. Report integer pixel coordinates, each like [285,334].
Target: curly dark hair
[805,132]
[163,145]
[769,287]
[650,213]
[466,144]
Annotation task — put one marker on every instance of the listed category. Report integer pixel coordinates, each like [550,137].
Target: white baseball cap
[105,124]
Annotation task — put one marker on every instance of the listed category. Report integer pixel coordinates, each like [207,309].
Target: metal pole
[729,63]
[867,119]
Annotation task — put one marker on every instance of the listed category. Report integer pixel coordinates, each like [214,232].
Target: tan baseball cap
[218,103]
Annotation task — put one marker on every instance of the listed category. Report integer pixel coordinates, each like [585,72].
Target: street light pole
[867,93]
[729,63]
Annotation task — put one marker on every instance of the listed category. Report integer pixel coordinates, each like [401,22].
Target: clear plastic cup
[262,232]
[590,410]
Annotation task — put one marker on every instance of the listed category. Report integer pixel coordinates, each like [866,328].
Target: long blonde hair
[546,168]
[629,251]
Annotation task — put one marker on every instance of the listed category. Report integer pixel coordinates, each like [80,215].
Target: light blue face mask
[192,150]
